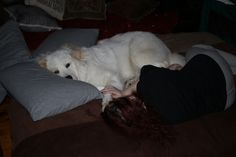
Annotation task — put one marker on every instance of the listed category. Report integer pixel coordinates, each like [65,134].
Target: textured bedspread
[212,135]
[82,132]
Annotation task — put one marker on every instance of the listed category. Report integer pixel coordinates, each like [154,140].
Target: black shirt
[197,89]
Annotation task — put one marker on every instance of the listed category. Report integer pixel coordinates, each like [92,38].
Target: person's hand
[175,67]
[115,93]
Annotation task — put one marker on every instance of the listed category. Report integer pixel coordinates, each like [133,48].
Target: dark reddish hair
[133,118]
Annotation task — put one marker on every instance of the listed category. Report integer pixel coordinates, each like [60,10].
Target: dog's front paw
[130,82]
[105,101]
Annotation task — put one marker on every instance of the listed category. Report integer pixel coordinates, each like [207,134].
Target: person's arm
[116,93]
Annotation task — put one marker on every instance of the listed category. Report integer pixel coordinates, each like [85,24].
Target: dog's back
[126,53]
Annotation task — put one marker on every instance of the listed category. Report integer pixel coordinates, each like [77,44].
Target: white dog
[113,61]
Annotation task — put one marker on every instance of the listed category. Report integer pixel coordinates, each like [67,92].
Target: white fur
[113,61]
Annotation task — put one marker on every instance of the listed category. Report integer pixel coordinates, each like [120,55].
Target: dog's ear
[77,54]
[75,51]
[42,62]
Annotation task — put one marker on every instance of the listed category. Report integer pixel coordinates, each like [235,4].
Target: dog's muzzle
[69,77]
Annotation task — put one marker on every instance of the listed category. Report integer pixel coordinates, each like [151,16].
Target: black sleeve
[155,81]
[199,88]
[158,88]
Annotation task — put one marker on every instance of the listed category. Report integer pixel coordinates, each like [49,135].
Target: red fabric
[156,23]
[33,39]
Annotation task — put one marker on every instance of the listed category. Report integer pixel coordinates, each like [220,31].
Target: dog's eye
[56,72]
[67,65]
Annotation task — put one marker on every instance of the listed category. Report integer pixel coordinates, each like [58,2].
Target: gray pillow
[44,94]
[13,49]
[12,45]
[32,19]
[72,36]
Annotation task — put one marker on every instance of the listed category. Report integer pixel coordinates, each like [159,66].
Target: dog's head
[62,62]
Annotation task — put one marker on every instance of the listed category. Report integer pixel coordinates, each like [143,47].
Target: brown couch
[82,132]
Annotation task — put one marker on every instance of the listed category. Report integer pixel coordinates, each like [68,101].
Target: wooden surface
[5,137]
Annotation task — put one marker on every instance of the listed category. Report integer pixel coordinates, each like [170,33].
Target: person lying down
[168,96]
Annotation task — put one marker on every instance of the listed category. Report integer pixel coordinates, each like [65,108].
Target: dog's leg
[105,100]
[116,82]
[129,82]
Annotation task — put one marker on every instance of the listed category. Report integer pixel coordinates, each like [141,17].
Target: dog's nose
[69,77]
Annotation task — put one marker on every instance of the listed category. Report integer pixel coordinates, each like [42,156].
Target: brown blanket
[82,132]
[209,136]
